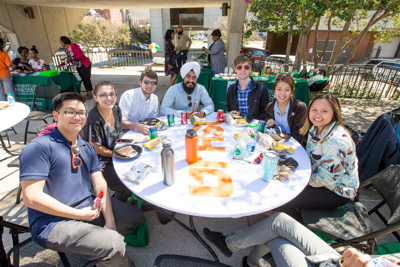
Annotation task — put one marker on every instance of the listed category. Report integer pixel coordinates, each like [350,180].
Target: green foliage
[92,32]
[140,35]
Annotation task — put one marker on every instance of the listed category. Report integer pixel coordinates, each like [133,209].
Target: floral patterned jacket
[333,159]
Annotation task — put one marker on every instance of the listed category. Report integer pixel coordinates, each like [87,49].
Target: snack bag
[194,120]
[281,147]
[161,126]
[137,172]
[152,143]
[241,123]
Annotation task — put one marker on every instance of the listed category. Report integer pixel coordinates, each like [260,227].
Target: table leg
[193,231]
[6,149]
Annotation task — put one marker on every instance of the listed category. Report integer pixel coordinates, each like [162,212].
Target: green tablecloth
[204,78]
[24,87]
[218,89]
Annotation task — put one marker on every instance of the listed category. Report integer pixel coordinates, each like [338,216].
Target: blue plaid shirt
[242,97]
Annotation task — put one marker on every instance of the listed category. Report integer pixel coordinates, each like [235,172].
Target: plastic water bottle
[10,99]
[226,71]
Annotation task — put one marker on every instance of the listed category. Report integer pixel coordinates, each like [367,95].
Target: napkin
[265,140]
[137,137]
[282,173]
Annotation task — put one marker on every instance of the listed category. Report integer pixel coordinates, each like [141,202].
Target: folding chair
[44,91]
[350,224]
[182,261]
[15,230]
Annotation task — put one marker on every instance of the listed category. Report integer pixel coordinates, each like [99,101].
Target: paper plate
[139,150]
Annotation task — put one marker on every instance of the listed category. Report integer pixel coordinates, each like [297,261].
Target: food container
[48,73]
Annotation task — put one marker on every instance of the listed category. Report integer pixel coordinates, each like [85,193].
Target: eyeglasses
[190,99]
[258,159]
[112,95]
[76,161]
[148,82]
[280,76]
[245,66]
[72,114]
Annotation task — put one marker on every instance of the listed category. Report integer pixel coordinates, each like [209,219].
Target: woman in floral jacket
[170,57]
[334,178]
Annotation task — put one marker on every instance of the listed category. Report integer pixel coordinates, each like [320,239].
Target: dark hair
[22,48]
[103,83]
[149,73]
[1,44]
[216,32]
[65,40]
[337,116]
[60,98]
[34,49]
[241,59]
[289,81]
[168,35]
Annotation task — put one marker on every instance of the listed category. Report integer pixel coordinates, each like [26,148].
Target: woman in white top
[36,63]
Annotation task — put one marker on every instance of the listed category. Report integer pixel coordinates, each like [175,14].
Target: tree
[355,17]
[140,35]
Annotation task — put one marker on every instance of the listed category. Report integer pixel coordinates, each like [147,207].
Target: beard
[186,86]
[180,32]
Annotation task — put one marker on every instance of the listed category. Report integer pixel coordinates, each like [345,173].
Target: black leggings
[114,183]
[85,73]
[313,198]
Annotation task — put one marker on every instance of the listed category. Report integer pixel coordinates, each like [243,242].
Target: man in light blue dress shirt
[181,97]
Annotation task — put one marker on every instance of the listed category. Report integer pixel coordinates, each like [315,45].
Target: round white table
[10,117]
[216,186]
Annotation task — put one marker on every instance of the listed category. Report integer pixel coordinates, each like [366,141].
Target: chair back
[387,183]
[45,91]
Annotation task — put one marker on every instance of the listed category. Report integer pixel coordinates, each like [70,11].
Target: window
[258,53]
[187,16]
[329,50]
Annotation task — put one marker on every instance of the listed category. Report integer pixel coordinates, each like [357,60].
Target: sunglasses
[245,66]
[76,161]
[280,76]
[258,160]
[189,98]
[148,82]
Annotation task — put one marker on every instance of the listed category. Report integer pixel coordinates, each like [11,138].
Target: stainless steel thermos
[168,162]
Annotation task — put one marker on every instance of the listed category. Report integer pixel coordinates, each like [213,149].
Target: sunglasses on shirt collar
[76,161]
[189,97]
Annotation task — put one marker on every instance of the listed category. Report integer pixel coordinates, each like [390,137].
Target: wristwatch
[204,113]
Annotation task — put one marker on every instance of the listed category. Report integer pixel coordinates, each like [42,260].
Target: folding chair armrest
[389,229]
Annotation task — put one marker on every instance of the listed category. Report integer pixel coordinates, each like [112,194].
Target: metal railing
[366,82]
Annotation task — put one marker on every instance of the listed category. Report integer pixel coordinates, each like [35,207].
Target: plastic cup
[269,163]
[51,66]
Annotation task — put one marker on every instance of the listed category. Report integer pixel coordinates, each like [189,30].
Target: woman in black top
[102,129]
[22,63]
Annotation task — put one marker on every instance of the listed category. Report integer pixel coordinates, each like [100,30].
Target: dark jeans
[313,198]
[85,73]
[114,183]
[181,58]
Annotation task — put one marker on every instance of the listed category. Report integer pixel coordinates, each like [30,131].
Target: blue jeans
[288,240]
[6,87]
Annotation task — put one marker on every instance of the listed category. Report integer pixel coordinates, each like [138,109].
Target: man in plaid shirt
[246,95]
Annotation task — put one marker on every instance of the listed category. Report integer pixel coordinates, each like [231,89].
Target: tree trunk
[288,48]
[315,54]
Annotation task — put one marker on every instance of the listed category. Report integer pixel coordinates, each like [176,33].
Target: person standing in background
[170,57]
[182,39]
[36,63]
[216,56]
[81,62]
[6,82]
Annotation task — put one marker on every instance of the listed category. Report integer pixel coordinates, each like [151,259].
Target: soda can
[184,118]
[171,120]
[220,115]
[269,163]
[153,132]
[251,145]
[261,126]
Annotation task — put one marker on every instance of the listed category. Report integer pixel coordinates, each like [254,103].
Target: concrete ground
[170,238]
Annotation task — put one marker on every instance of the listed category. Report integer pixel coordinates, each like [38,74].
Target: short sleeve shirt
[17,61]
[37,65]
[4,61]
[49,158]
[99,132]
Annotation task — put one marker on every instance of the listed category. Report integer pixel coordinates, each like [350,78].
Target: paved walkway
[168,238]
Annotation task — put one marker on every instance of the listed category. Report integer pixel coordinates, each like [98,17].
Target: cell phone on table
[124,141]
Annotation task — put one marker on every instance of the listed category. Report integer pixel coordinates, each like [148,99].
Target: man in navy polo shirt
[57,172]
